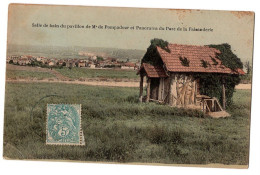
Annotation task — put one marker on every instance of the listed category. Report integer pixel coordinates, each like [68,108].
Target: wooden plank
[207,107]
[141,88]
[163,88]
[218,104]
[170,91]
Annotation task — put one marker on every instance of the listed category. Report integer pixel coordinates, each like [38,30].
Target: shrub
[151,55]
[184,61]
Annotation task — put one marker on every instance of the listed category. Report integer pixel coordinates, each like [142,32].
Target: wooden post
[162,89]
[170,91]
[141,88]
[148,90]
[223,96]
[195,92]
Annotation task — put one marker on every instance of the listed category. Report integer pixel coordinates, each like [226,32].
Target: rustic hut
[171,80]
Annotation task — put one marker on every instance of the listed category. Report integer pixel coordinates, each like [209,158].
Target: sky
[234,28]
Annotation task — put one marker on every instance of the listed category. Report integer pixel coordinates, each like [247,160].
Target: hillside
[60,52]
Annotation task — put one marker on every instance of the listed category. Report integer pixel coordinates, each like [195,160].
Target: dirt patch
[244,86]
[90,83]
[100,83]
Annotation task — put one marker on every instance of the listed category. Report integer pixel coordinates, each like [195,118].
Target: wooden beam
[141,88]
[170,91]
[195,92]
[223,96]
[148,90]
[163,88]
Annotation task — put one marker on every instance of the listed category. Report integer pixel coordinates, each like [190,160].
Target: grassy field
[24,74]
[117,128]
[76,73]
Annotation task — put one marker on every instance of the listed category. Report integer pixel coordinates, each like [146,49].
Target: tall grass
[117,128]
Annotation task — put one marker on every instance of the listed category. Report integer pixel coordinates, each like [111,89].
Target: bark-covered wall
[182,90]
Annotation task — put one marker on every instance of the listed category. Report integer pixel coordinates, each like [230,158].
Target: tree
[248,67]
[99,58]
[151,56]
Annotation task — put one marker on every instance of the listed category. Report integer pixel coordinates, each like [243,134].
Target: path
[91,83]
[100,83]
[58,75]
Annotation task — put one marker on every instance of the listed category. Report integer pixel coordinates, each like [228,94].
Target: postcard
[128,85]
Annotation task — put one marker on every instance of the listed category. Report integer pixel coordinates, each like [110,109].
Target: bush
[151,56]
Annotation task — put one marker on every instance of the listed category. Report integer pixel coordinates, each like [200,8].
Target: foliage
[151,56]
[211,84]
[214,61]
[228,58]
[248,68]
[99,58]
[184,61]
[204,63]
[36,63]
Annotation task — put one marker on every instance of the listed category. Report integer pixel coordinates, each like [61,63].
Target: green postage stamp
[63,126]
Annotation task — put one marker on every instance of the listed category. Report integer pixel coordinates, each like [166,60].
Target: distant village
[92,62]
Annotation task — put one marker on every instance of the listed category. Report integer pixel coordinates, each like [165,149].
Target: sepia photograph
[128,85]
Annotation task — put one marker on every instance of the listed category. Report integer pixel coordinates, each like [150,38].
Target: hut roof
[195,55]
[153,71]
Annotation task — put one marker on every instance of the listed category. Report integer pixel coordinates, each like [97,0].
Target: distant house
[173,82]
[128,65]
[70,63]
[39,59]
[81,63]
[101,64]
[8,59]
[60,62]
[51,63]
[23,61]
[92,66]
[111,60]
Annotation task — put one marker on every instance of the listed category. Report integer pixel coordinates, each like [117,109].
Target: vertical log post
[141,88]
[148,90]
[170,91]
[223,94]
[195,92]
